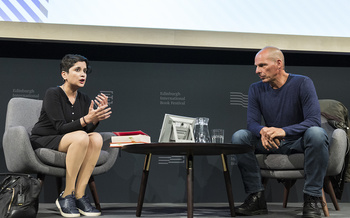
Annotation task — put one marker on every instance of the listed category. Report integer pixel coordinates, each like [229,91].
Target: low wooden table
[189,150]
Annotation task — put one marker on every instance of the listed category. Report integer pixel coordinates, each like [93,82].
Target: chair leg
[264,181]
[287,185]
[59,185]
[324,204]
[285,196]
[329,189]
[41,178]
[94,194]
[59,182]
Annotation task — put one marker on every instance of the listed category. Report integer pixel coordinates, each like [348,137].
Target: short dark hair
[69,60]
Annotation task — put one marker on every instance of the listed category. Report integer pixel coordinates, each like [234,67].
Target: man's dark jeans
[314,144]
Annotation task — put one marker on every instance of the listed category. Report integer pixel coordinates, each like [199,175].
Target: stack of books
[126,138]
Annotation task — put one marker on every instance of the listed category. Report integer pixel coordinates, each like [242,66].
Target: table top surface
[187,148]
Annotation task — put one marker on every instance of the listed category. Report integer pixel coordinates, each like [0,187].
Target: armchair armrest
[337,152]
[113,153]
[106,136]
[18,151]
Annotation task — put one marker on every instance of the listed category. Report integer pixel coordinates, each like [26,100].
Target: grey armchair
[22,114]
[288,168]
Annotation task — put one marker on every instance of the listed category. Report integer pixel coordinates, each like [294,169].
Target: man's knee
[316,136]
[242,136]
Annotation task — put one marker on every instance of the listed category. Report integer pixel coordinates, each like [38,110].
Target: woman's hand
[102,111]
[101,99]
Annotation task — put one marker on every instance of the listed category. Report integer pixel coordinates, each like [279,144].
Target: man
[289,105]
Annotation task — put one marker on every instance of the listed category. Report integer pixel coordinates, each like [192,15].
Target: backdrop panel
[140,94]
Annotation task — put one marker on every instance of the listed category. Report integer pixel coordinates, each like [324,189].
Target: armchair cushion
[58,159]
[281,161]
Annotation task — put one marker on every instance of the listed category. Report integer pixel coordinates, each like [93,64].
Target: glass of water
[217,136]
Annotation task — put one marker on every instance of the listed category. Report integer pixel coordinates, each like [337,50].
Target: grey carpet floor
[210,210]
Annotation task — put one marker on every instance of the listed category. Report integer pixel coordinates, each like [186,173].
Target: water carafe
[201,130]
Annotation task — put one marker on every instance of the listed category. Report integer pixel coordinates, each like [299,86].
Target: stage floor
[169,210]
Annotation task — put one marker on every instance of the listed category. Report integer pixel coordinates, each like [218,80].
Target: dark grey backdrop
[135,90]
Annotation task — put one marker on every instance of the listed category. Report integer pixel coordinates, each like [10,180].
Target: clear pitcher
[201,130]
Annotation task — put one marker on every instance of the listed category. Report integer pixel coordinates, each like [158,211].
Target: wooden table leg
[324,204]
[189,186]
[143,184]
[228,185]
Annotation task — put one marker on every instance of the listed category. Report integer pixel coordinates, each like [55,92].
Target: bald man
[289,106]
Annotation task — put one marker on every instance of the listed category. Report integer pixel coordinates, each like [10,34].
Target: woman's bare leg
[75,144]
[89,163]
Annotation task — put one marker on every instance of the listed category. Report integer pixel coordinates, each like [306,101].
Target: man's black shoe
[254,204]
[311,207]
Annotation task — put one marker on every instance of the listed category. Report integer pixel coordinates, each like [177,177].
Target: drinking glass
[217,136]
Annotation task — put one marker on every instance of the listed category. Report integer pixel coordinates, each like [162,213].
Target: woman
[67,121]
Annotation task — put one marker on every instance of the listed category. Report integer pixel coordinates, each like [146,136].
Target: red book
[131,137]
[138,132]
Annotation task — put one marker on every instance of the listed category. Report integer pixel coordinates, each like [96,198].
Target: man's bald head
[272,53]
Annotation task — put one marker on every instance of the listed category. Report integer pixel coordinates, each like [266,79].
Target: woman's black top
[59,117]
